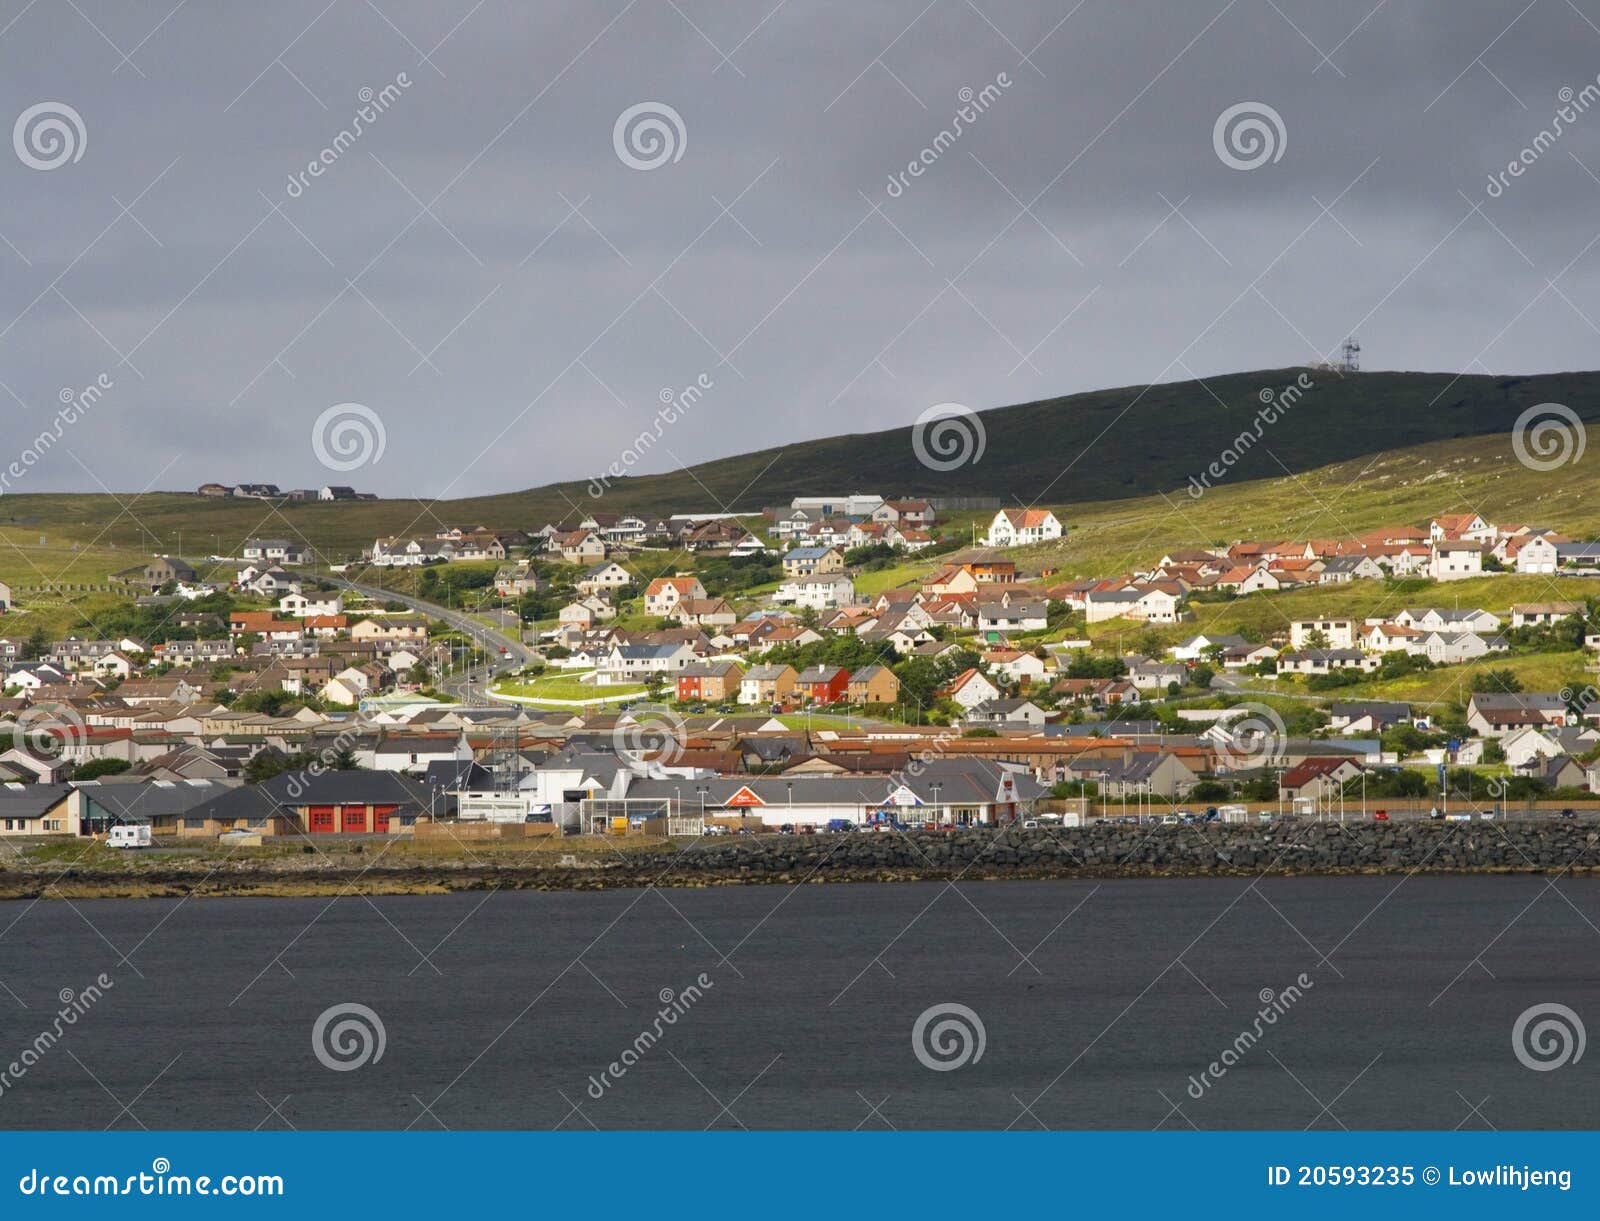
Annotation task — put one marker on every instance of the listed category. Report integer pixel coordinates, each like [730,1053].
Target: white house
[662,595]
[607,576]
[300,606]
[635,663]
[820,591]
[1538,555]
[1455,560]
[1018,527]
[1336,633]
[971,688]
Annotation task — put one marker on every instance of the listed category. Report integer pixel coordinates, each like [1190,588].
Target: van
[838,825]
[1233,813]
[136,836]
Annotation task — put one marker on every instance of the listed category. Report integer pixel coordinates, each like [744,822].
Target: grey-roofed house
[36,809]
[1006,712]
[947,791]
[162,804]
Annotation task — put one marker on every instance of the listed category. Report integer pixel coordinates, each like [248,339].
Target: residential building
[823,684]
[767,684]
[710,681]
[807,561]
[1019,527]
[819,592]
[1455,561]
[1334,633]
[663,594]
[874,684]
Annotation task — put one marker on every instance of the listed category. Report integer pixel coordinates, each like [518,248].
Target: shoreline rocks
[986,854]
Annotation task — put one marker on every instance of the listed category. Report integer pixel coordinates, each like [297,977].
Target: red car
[1380,816]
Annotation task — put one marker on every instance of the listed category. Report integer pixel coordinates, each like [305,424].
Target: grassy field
[49,540]
[564,685]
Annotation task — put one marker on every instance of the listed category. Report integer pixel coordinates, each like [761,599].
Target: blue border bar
[815,1175]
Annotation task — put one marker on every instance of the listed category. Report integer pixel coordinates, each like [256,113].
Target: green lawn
[1452,684]
[565,685]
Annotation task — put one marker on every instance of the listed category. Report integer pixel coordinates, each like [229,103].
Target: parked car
[839,826]
[1380,816]
[1030,824]
[714,829]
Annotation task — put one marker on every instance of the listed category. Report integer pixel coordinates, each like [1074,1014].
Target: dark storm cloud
[520,327]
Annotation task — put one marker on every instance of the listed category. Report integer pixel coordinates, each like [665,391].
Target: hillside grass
[565,685]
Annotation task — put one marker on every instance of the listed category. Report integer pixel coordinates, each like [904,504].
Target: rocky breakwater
[1108,850]
[1100,851]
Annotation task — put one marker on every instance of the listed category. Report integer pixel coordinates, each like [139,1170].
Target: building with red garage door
[350,802]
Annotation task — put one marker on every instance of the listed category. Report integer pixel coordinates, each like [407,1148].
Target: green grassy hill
[1358,451]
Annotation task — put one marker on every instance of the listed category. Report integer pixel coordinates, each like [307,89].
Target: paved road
[505,651]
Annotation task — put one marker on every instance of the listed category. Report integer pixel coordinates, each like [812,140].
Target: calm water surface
[1098,1004]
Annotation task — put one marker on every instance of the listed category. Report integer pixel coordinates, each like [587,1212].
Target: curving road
[505,652]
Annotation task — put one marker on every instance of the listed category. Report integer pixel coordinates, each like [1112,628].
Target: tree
[1201,676]
[95,768]
[1495,682]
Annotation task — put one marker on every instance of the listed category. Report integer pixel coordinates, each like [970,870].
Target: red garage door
[320,820]
[355,819]
[380,818]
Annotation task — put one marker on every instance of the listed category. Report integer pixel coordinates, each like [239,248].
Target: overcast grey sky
[483,269]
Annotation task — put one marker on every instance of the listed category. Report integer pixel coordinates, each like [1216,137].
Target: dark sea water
[1098,1004]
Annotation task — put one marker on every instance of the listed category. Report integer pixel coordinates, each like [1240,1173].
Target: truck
[1233,813]
[129,835]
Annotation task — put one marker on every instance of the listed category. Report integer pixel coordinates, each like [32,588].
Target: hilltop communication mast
[1350,356]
